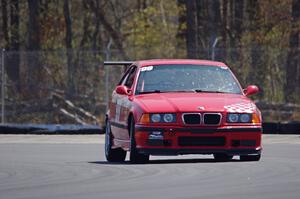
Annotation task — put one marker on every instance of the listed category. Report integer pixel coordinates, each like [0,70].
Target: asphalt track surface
[54,167]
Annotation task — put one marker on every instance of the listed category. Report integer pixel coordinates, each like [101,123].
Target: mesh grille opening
[212,119]
[192,118]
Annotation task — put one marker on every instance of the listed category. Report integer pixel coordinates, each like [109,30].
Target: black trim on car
[192,130]
[163,151]
[201,130]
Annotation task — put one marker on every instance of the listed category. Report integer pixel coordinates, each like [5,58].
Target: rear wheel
[112,155]
[135,156]
[250,157]
[222,157]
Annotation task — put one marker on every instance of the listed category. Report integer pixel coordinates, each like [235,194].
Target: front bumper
[177,141]
[164,151]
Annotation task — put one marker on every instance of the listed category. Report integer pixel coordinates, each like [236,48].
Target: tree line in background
[259,39]
[62,42]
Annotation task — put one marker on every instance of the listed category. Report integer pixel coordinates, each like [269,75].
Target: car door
[121,107]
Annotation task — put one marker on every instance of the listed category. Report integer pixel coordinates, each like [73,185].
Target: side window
[124,77]
[129,80]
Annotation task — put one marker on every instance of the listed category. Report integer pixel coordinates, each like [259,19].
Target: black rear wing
[120,63]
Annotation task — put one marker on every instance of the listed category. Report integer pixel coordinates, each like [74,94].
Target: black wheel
[135,156]
[250,157]
[112,155]
[222,157]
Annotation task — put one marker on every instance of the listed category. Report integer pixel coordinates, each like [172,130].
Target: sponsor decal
[148,68]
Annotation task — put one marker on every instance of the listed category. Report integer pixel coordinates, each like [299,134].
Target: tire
[222,157]
[135,156]
[250,157]
[112,155]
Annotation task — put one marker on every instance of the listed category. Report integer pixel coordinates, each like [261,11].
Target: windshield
[186,78]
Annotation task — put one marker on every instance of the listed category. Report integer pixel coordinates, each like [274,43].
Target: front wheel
[112,155]
[135,156]
[250,157]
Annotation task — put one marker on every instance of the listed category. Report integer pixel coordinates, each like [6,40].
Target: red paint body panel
[124,107]
[187,102]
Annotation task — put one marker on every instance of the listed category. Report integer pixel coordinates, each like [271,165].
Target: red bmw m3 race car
[176,107]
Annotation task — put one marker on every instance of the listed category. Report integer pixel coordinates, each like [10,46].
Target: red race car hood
[194,102]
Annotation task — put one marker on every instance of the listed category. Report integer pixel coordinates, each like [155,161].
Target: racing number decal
[148,68]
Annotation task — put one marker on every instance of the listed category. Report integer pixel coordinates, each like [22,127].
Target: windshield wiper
[205,91]
[179,91]
[182,91]
[147,92]
[159,91]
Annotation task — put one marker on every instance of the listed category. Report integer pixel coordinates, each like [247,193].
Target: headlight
[155,118]
[245,118]
[168,118]
[239,118]
[232,118]
[163,117]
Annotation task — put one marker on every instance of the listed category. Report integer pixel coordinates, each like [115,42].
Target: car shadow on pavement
[166,161]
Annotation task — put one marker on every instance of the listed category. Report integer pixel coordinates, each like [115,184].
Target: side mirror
[122,90]
[251,90]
